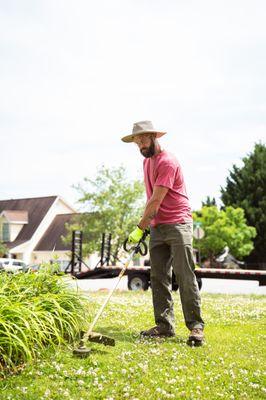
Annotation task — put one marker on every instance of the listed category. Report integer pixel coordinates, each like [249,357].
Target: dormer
[11,223]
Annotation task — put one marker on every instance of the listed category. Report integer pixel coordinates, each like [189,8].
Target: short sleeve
[166,175]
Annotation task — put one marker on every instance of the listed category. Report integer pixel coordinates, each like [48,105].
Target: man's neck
[158,149]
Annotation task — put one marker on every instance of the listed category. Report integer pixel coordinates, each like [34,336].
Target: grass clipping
[36,310]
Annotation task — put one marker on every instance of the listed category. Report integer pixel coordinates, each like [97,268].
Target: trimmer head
[82,351]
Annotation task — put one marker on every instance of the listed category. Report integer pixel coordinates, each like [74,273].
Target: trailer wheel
[137,282]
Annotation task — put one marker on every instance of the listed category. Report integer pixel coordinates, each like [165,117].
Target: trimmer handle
[141,247]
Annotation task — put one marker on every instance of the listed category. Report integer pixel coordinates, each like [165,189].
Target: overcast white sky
[75,75]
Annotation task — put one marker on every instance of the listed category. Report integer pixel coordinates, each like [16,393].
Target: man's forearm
[150,211]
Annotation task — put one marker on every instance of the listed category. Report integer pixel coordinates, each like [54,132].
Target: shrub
[36,310]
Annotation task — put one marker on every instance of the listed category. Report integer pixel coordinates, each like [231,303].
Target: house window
[6,232]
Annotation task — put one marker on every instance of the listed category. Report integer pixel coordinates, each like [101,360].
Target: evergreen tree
[246,188]
[209,202]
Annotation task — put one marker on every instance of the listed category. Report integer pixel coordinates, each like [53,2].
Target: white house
[32,228]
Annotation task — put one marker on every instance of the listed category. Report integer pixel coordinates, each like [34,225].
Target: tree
[224,228]
[209,202]
[246,188]
[3,249]
[112,204]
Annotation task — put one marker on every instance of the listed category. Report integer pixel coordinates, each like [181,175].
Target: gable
[15,216]
[36,209]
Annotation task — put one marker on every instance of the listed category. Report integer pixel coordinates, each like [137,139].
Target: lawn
[231,365]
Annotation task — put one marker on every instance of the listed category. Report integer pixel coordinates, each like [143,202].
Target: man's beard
[148,152]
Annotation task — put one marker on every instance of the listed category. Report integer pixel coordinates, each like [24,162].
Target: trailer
[139,276]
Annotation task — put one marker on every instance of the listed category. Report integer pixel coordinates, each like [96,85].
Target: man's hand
[135,235]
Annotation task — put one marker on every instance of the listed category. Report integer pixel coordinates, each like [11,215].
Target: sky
[76,75]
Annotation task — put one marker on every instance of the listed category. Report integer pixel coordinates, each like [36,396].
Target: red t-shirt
[163,169]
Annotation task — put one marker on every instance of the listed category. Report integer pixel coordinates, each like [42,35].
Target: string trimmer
[82,350]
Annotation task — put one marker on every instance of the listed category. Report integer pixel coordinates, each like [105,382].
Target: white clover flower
[254,385]
[47,393]
[172,381]
[144,367]
[80,371]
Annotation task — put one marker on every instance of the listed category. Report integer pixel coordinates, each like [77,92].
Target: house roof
[16,216]
[36,207]
[51,239]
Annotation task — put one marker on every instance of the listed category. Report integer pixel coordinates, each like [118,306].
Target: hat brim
[130,138]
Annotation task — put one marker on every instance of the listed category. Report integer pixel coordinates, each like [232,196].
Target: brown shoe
[196,337]
[157,332]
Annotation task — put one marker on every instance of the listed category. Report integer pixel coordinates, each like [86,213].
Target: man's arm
[152,206]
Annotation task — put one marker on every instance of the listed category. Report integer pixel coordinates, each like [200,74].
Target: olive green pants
[171,246]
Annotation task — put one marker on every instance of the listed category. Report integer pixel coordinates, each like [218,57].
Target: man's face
[146,144]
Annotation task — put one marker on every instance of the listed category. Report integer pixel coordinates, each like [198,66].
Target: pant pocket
[179,234]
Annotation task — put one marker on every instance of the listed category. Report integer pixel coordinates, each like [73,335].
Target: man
[168,214]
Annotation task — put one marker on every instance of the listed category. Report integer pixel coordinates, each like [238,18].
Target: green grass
[231,365]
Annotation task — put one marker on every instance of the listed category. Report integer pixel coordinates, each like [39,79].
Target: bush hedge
[36,310]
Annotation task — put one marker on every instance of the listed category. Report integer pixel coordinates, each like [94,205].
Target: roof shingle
[51,239]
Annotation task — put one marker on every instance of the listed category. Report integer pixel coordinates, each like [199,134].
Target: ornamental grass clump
[36,310]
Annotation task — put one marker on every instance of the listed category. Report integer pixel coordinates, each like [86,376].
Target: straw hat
[139,128]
